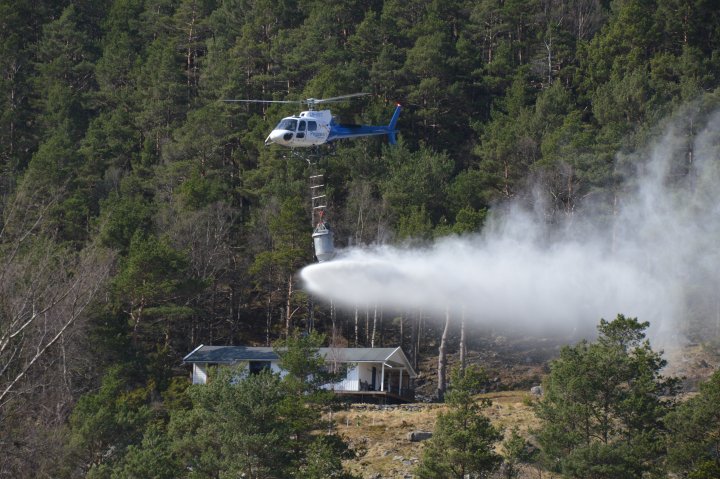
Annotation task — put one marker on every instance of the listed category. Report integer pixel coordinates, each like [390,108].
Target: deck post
[382,377]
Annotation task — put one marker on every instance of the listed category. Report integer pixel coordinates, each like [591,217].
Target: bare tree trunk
[402,333]
[414,337]
[421,320]
[288,306]
[289,312]
[463,341]
[356,325]
[548,47]
[268,321]
[311,314]
[374,327]
[189,52]
[382,328]
[442,359]
[333,320]
[367,325]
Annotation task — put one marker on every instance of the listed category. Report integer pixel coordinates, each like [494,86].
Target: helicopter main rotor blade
[263,101]
[335,98]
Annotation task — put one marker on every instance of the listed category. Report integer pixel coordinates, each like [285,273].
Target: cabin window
[256,367]
[312,126]
[302,125]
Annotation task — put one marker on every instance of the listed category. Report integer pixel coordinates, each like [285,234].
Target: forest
[141,215]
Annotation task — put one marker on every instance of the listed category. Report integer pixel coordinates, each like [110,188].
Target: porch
[376,382]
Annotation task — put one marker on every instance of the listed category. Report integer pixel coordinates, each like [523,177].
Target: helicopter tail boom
[338,132]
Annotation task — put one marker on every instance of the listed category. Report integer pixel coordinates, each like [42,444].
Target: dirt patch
[693,364]
[379,434]
[512,363]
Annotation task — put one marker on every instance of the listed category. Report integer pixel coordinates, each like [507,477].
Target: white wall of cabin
[199,375]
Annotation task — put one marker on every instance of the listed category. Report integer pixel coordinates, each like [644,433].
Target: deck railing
[348,385]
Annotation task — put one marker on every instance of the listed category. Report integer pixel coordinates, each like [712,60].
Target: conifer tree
[464,439]
[694,433]
[603,405]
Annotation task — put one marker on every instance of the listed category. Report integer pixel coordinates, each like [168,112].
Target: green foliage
[516,452]
[108,421]
[152,274]
[256,425]
[694,433]
[324,459]
[126,217]
[306,369]
[152,458]
[153,288]
[235,426]
[603,405]
[464,439]
[417,185]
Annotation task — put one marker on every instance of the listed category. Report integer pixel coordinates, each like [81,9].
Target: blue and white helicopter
[317,127]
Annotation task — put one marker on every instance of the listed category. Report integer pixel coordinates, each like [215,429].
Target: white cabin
[375,374]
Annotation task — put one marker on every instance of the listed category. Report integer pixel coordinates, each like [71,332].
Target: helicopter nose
[274,136]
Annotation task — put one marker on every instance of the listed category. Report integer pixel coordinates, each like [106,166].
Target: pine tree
[463,441]
[694,433]
[603,404]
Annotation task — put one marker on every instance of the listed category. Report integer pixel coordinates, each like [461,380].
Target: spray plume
[650,250]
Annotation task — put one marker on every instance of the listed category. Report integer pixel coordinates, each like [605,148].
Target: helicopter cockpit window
[312,126]
[287,124]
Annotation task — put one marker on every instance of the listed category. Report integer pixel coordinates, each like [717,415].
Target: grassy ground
[380,434]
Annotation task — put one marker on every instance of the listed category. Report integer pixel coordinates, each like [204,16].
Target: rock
[536,390]
[417,436]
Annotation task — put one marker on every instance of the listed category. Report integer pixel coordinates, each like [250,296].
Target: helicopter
[317,127]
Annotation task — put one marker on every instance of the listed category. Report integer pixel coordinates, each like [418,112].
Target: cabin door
[373,379]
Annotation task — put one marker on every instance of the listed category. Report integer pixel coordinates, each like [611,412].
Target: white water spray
[656,256]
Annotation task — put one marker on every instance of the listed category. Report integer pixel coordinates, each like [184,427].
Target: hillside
[379,434]
[555,163]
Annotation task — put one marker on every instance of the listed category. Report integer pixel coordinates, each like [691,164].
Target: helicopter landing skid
[312,155]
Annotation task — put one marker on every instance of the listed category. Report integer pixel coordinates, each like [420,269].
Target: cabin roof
[392,357]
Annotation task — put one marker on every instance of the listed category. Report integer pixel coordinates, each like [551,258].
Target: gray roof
[229,354]
[234,354]
[357,355]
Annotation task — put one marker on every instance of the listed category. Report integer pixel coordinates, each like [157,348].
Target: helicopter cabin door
[301,130]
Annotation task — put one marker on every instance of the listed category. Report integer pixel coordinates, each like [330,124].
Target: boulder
[417,436]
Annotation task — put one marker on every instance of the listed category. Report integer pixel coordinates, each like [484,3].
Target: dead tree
[42,298]
[442,359]
[463,341]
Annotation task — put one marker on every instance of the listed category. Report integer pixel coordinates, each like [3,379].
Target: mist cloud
[651,252]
